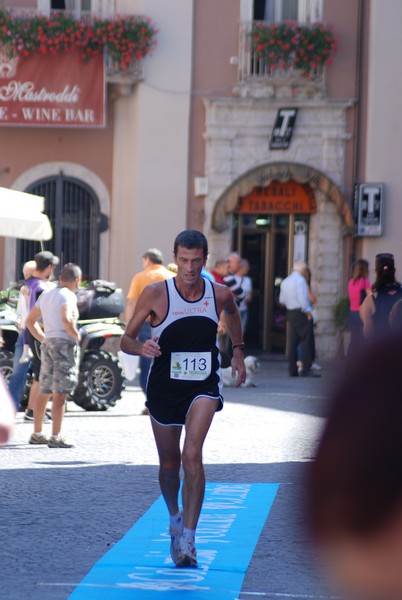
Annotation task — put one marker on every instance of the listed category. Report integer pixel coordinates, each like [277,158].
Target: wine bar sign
[52,91]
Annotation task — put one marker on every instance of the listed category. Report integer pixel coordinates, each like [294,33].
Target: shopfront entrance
[271,230]
[273,214]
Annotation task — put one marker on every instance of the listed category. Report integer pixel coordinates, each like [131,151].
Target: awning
[21,216]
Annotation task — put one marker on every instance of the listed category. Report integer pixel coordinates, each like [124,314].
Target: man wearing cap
[59,337]
[40,281]
[153,271]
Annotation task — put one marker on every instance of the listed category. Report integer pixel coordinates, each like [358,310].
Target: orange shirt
[151,274]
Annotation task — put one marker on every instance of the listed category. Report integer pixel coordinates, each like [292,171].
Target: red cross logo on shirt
[206,303]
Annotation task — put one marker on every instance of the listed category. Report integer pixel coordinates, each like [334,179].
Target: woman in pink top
[358,287]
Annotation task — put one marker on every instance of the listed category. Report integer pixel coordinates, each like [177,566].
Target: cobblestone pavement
[62,509]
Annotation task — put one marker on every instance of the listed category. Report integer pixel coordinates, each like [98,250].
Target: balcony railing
[114,74]
[253,68]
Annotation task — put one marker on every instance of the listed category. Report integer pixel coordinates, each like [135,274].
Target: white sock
[175,520]
[189,534]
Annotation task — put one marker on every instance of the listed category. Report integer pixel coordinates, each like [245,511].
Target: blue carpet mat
[139,566]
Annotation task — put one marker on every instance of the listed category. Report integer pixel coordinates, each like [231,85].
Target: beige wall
[343,80]
[216,34]
[142,155]
[20,3]
[25,150]
[384,125]
[23,147]
[150,166]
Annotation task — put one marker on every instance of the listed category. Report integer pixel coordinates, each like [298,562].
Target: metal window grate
[73,210]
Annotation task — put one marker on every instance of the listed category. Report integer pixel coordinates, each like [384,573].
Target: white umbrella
[21,216]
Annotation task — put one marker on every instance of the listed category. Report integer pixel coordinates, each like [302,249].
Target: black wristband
[241,345]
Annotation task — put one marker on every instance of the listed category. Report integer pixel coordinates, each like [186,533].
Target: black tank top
[383,303]
[189,365]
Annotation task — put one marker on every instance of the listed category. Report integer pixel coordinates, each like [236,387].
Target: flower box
[292,46]
[126,39]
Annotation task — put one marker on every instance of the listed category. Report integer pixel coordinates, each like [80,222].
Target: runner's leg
[167,438]
[198,423]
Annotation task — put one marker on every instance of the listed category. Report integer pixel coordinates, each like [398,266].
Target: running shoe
[187,554]
[175,535]
[58,443]
[37,439]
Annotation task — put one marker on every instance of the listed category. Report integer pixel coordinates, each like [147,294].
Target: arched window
[73,210]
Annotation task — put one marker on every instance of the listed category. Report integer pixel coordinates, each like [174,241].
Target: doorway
[271,243]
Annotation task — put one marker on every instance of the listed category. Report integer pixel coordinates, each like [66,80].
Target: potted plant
[341,319]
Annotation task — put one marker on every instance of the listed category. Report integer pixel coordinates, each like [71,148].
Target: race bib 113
[190,366]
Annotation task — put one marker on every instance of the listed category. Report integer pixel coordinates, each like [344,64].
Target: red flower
[127,39]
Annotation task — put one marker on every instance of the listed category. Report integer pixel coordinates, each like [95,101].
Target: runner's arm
[143,309]
[226,300]
[130,306]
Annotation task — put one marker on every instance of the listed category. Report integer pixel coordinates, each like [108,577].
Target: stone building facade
[237,138]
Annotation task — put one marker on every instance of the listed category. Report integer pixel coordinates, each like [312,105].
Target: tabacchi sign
[52,91]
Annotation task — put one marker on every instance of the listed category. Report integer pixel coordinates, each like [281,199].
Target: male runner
[184,385]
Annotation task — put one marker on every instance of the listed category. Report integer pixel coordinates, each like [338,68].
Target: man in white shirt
[59,352]
[294,296]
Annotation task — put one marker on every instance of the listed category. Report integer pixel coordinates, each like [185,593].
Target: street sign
[369,210]
[283,129]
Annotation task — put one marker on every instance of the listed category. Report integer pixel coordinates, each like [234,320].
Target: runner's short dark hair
[190,239]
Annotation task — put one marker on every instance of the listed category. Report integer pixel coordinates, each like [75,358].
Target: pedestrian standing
[233,280]
[16,383]
[386,291]
[220,270]
[184,386]
[41,280]
[59,338]
[247,287]
[153,271]
[294,296]
[358,288]
[313,323]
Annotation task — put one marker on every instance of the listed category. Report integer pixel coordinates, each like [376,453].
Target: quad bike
[9,332]
[100,379]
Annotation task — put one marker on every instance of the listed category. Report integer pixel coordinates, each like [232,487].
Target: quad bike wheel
[100,381]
